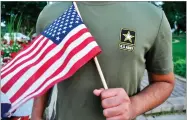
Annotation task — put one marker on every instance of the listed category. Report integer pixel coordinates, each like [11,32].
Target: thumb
[97,92]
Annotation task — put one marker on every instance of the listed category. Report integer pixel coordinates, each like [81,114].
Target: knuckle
[105,113]
[122,99]
[127,100]
[102,95]
[121,90]
[104,103]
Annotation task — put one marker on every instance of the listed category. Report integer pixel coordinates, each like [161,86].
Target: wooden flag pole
[100,73]
[95,58]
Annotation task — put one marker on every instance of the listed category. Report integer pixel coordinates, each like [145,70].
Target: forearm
[38,107]
[151,97]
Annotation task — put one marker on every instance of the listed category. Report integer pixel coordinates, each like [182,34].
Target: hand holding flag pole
[95,58]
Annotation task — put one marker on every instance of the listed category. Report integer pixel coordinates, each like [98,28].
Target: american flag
[55,55]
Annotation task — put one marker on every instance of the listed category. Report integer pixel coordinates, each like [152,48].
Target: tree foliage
[176,11]
[28,11]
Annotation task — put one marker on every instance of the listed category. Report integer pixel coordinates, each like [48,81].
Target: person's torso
[125,31]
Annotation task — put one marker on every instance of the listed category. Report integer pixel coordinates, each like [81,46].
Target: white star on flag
[58,38]
[58,33]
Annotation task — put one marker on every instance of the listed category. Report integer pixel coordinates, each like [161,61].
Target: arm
[118,106]
[159,66]
[156,93]
[39,107]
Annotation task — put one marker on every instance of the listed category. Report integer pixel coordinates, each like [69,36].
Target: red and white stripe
[34,71]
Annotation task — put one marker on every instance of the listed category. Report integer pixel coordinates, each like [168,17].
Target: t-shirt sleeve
[159,57]
[43,19]
[38,26]
[40,23]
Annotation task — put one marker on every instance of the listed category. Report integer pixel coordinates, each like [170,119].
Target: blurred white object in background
[15,36]
[3,24]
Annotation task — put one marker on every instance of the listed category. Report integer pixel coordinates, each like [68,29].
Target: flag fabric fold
[5,105]
[53,56]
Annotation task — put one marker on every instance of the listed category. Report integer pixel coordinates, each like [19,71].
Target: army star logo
[127,38]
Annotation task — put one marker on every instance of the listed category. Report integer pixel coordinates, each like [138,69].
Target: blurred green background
[20,17]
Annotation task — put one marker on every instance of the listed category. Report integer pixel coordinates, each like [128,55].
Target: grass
[10,25]
[179,54]
[179,48]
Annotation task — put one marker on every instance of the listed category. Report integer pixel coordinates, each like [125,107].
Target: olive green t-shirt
[133,36]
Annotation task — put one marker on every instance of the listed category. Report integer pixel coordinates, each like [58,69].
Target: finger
[114,111]
[112,102]
[119,117]
[97,92]
[111,92]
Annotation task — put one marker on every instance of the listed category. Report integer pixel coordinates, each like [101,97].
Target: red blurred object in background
[6,59]
[24,45]
[13,54]
[2,52]
[11,42]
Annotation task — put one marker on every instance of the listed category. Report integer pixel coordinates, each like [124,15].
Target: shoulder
[147,15]
[155,14]
[144,13]
[147,9]
[50,13]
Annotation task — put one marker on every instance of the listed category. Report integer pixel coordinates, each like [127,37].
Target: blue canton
[62,25]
